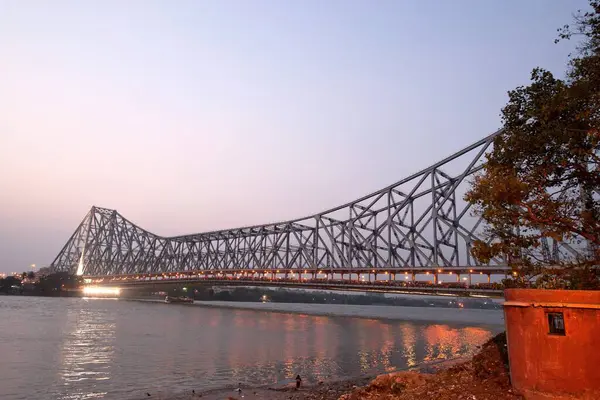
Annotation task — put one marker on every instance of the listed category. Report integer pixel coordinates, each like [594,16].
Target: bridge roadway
[366,280]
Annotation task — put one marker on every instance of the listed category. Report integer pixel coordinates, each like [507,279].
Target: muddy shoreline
[324,390]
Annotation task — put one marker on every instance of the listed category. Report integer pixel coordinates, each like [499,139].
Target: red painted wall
[541,363]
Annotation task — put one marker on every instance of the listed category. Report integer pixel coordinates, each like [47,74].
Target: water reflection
[442,342]
[409,340]
[71,349]
[87,351]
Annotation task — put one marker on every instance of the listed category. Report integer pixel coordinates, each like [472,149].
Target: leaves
[542,178]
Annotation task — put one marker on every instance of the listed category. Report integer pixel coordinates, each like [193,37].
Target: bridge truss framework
[418,223]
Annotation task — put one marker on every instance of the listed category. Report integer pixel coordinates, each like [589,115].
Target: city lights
[91,290]
[297,277]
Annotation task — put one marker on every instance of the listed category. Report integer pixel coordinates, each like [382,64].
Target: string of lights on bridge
[280,277]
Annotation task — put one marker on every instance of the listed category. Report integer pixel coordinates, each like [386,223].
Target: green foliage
[542,178]
[58,282]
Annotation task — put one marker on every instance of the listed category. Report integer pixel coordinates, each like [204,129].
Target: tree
[541,181]
[8,284]
[59,281]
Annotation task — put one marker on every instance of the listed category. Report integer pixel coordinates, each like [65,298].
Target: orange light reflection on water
[409,341]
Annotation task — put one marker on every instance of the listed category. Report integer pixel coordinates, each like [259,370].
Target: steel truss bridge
[419,225]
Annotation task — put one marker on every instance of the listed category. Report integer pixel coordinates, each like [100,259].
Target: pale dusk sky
[189,116]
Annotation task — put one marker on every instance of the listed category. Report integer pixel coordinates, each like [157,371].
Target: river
[73,348]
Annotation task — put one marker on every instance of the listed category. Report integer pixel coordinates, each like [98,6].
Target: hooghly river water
[72,348]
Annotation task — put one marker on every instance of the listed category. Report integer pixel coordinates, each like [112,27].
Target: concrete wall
[545,365]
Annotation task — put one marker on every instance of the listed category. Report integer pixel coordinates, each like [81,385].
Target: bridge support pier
[489,278]
[435,278]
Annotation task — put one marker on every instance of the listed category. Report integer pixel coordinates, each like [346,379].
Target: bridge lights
[439,270]
[101,291]
[470,270]
[515,273]
[450,273]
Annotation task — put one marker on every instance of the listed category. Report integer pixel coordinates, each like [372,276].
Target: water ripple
[71,349]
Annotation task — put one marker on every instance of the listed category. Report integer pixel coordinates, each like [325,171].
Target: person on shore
[298,382]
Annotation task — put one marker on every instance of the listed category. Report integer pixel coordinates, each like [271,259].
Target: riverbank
[322,390]
[482,377]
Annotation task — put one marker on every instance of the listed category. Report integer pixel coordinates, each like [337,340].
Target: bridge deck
[418,287]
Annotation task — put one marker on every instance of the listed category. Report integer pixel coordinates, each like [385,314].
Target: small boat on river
[181,299]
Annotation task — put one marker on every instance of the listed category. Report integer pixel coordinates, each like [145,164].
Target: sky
[188,116]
